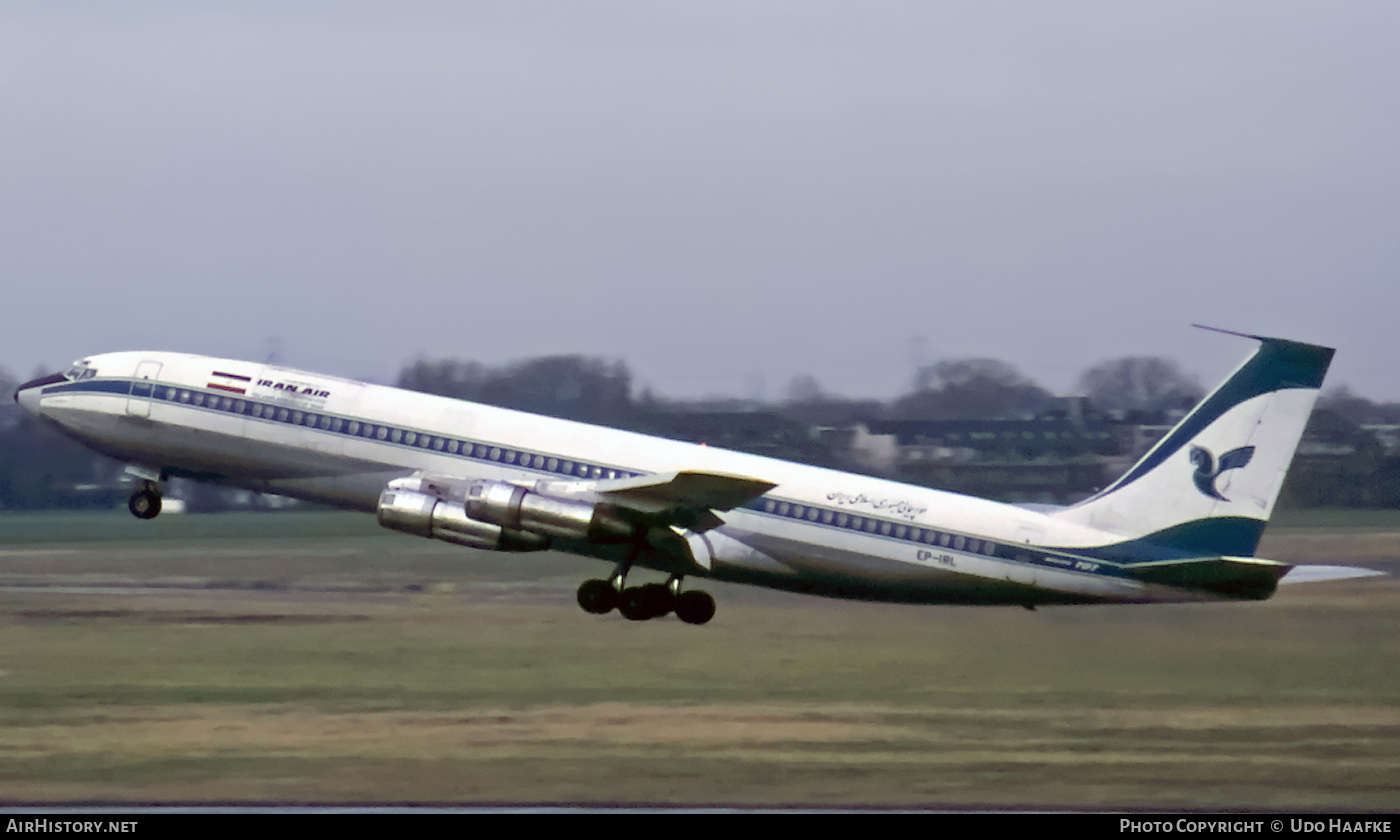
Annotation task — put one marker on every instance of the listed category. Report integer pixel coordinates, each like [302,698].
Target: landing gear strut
[145,503]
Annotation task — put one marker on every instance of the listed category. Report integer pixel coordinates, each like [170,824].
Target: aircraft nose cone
[28,394]
[28,398]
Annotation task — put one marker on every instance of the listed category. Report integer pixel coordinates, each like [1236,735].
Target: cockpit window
[80,370]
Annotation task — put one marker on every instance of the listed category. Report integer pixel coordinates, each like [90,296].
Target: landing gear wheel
[144,504]
[661,598]
[597,597]
[640,603]
[695,607]
[632,605]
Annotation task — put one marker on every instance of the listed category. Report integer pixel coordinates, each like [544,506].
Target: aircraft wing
[688,499]
[674,491]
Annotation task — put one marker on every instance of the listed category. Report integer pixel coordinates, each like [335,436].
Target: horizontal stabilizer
[1236,577]
[1313,574]
[666,492]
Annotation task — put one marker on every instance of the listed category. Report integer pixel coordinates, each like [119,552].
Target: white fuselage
[338,441]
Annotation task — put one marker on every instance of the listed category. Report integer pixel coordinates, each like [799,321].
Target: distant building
[1064,453]
[1388,435]
[759,432]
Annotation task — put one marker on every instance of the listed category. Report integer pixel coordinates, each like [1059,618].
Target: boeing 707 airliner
[1182,524]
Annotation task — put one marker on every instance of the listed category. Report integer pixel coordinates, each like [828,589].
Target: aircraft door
[138,404]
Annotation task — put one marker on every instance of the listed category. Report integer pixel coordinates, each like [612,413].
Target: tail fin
[1209,485]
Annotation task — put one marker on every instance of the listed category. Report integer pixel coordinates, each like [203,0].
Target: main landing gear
[651,600]
[145,503]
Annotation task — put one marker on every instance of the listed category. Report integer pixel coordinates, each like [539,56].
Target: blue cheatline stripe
[931,539]
[221,402]
[1230,536]
[104,386]
[1277,365]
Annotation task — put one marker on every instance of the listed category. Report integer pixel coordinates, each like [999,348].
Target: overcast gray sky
[722,194]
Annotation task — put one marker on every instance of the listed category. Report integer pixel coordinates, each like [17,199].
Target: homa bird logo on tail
[1207,471]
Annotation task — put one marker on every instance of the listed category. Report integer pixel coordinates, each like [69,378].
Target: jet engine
[409,505]
[515,508]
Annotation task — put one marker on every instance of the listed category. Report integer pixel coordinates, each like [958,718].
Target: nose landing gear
[145,503]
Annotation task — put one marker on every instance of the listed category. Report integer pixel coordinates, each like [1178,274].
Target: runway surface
[316,661]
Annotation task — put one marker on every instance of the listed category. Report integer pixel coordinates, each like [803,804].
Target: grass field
[317,658]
